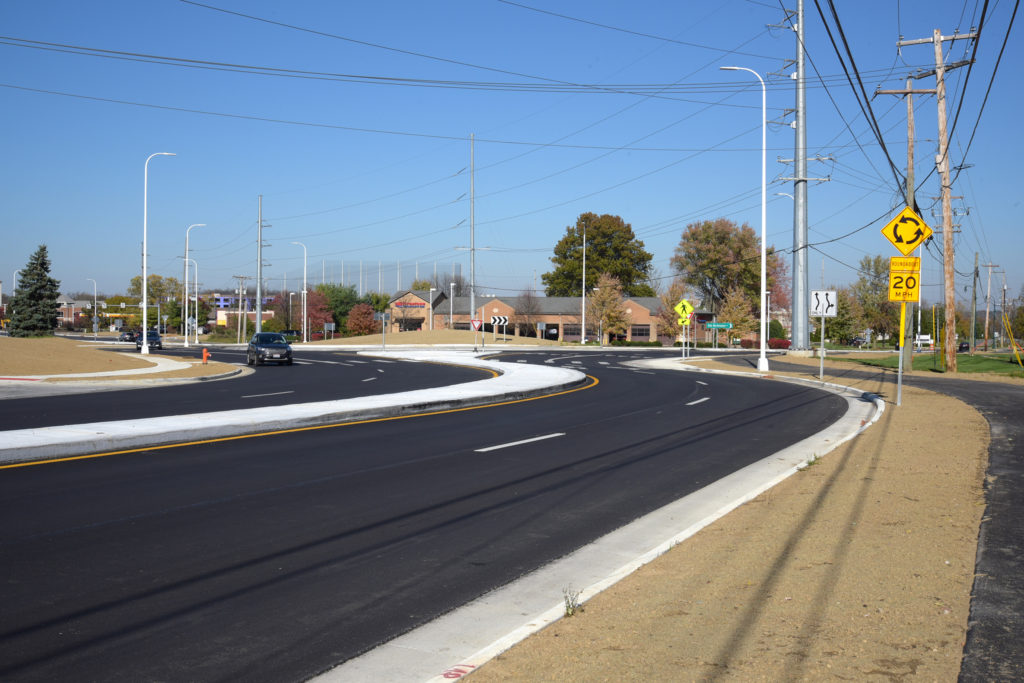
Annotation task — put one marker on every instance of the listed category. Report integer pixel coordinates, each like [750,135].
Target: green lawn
[998,364]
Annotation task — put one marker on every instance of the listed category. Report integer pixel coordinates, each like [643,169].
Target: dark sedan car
[269,347]
[128,336]
[153,340]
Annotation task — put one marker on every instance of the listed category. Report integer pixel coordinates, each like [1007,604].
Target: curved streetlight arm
[762,361]
[145,246]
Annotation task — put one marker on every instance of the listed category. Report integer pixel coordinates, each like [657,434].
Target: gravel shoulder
[859,567]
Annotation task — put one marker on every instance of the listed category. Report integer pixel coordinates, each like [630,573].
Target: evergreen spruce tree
[34,304]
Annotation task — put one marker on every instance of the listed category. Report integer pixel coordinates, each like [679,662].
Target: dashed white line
[699,400]
[369,379]
[519,443]
[702,383]
[276,393]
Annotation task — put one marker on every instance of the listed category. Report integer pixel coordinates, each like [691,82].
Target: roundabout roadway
[315,376]
[279,556]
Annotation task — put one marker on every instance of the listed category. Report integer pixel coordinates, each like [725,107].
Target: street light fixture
[184,298]
[305,325]
[95,319]
[762,360]
[145,245]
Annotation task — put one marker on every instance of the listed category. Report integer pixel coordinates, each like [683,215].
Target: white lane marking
[361,362]
[369,379]
[522,361]
[702,383]
[377,360]
[699,400]
[519,443]
[276,393]
[379,370]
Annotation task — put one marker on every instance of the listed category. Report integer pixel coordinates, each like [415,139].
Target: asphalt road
[315,376]
[274,558]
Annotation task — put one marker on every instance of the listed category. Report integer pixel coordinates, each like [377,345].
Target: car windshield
[270,339]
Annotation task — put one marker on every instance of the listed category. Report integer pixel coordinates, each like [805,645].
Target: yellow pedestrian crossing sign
[685,311]
[907,231]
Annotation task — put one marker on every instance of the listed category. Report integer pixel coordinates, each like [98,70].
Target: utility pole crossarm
[942,38]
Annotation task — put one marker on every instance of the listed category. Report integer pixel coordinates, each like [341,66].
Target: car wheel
[248,359]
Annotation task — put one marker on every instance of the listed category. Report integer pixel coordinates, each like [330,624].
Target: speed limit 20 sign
[904,278]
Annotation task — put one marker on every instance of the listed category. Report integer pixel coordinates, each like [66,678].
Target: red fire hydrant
[206,355]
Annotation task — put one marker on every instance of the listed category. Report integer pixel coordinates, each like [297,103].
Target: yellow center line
[593,383]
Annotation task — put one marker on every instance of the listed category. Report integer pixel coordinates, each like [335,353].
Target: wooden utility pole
[974,303]
[908,349]
[942,164]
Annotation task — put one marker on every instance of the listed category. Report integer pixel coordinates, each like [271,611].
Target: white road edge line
[276,393]
[369,379]
[519,443]
[699,400]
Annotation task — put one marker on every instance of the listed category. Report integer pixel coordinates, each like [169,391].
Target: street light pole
[451,309]
[184,298]
[762,360]
[430,307]
[305,325]
[145,245]
[196,266]
[583,289]
[95,319]
[290,295]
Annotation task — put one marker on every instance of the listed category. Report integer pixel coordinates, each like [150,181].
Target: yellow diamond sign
[685,309]
[907,231]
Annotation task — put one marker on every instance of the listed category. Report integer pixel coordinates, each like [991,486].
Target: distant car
[858,341]
[153,340]
[963,347]
[127,336]
[267,347]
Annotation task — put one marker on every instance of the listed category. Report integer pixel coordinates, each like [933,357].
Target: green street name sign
[719,326]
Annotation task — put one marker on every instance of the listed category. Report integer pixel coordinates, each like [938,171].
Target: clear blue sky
[360,142]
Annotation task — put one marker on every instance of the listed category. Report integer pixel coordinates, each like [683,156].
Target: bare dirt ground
[58,356]
[859,567]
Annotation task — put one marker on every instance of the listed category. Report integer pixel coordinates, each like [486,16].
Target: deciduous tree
[606,308]
[612,248]
[717,256]
[360,320]
[738,309]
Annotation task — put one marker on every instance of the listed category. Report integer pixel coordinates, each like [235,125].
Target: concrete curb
[514,382]
[110,380]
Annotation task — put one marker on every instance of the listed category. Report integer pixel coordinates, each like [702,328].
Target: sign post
[824,303]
